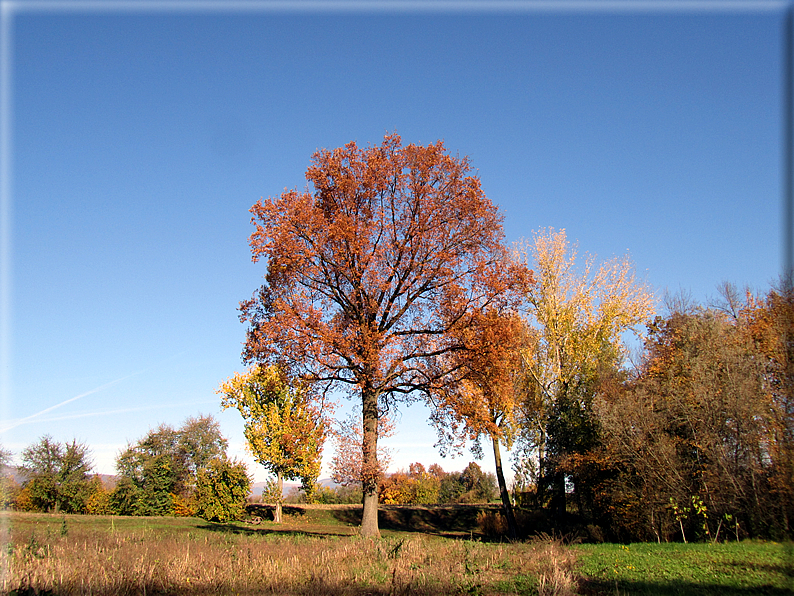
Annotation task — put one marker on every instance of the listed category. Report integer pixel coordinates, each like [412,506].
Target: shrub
[183,506]
[24,501]
[222,489]
[98,501]
[491,524]
[9,490]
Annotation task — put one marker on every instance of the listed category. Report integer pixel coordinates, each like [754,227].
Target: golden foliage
[575,324]
[576,318]
[285,430]
[182,507]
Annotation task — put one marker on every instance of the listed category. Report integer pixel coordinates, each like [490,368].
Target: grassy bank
[451,521]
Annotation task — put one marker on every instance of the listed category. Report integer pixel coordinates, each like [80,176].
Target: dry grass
[89,559]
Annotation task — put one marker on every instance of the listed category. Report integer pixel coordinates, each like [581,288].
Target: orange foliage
[368,276]
[182,507]
[482,400]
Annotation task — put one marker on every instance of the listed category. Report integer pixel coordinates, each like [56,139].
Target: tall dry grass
[86,561]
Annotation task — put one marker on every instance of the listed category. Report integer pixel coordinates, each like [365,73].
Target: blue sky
[140,139]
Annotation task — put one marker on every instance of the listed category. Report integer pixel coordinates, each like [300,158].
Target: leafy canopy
[284,429]
[368,274]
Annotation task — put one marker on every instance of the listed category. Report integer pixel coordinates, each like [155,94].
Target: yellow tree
[576,321]
[284,429]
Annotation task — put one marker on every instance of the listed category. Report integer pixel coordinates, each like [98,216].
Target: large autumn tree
[388,250]
[700,423]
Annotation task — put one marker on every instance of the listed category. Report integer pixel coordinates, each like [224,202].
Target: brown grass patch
[78,557]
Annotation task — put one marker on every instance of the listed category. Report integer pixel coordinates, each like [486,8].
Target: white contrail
[119,411]
[16,423]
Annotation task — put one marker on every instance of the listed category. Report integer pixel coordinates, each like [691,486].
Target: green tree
[222,489]
[284,430]
[478,486]
[58,475]
[450,488]
[151,471]
[163,465]
[124,498]
[199,442]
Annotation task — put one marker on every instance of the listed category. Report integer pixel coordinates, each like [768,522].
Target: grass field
[316,551]
[68,555]
[725,569]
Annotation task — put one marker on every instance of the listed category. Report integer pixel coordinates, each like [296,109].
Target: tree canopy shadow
[678,588]
[241,528]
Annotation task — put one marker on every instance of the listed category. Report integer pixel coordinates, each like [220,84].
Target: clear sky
[140,139]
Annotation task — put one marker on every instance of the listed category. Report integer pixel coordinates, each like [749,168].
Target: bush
[340,495]
[9,490]
[98,501]
[222,490]
[491,524]
[24,501]
[183,506]
[124,498]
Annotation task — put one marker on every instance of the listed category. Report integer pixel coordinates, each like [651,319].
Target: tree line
[388,279]
[184,471]
[187,472]
[696,441]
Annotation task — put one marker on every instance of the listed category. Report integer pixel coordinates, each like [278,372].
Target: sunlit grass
[68,555]
[316,553]
[722,569]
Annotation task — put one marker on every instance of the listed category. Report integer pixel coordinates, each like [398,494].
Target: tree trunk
[280,485]
[540,479]
[558,499]
[512,530]
[369,464]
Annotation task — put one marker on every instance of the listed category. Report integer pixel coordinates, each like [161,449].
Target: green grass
[726,569]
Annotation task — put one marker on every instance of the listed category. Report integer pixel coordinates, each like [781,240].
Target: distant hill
[20,476]
[257,487]
[108,481]
[16,473]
